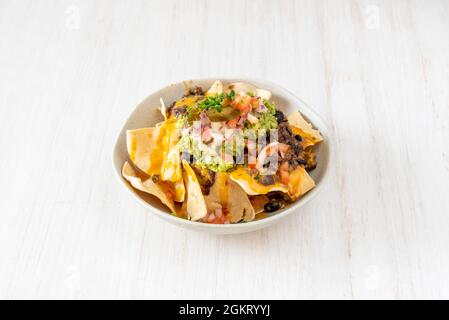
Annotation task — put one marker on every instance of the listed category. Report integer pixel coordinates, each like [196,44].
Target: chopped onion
[252,119]
[262,108]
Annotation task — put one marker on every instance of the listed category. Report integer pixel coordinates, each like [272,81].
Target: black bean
[296,148]
[198,91]
[275,196]
[272,206]
[280,117]
[293,163]
[310,166]
[298,137]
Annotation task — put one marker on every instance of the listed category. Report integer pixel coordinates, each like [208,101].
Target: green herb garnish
[215,102]
[212,102]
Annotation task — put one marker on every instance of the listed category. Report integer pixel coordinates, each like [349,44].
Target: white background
[377,71]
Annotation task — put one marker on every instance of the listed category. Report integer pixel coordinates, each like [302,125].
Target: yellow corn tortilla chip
[141,144]
[163,109]
[195,204]
[300,182]
[171,166]
[180,191]
[304,129]
[159,190]
[155,151]
[216,88]
[258,203]
[228,196]
[246,88]
[251,186]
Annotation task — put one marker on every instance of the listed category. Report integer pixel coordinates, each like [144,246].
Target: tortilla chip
[180,191]
[258,203]
[239,205]
[228,196]
[251,186]
[141,144]
[148,186]
[216,88]
[300,182]
[264,94]
[304,129]
[195,203]
[155,150]
[163,109]
[245,88]
[171,167]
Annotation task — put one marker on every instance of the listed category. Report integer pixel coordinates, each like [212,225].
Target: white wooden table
[71,72]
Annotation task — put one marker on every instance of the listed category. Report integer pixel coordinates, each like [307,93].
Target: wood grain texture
[71,72]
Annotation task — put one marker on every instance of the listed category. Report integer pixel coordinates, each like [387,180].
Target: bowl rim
[255,224]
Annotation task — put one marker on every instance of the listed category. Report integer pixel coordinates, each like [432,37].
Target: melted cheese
[133,148]
[251,185]
[179,191]
[300,126]
[140,144]
[187,101]
[307,139]
[155,151]
[171,158]
[164,159]
[300,182]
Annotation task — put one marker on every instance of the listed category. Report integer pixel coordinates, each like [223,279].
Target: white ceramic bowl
[146,114]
